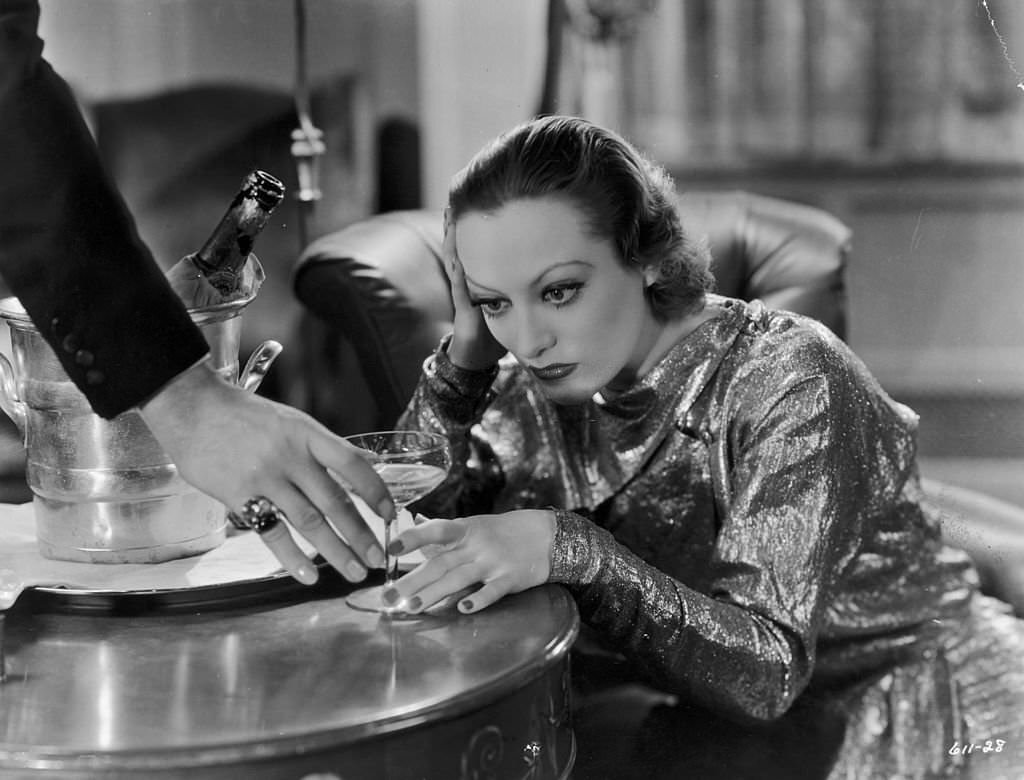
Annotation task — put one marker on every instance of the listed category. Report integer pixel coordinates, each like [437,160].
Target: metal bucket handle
[12,406]
[258,364]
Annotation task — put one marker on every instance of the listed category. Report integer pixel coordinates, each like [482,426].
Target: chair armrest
[990,530]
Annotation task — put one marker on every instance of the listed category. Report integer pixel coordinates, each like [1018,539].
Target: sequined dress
[746,528]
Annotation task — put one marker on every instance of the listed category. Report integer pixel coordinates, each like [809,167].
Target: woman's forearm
[450,401]
[717,653]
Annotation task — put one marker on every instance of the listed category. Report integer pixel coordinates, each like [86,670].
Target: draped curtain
[751,82]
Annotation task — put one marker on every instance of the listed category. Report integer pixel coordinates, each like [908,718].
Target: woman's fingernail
[306,574]
[415,603]
[390,596]
[375,556]
[396,547]
[466,605]
[355,570]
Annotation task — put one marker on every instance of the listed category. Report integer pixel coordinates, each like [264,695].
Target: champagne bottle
[216,273]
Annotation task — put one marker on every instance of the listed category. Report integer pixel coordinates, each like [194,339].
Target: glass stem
[390,561]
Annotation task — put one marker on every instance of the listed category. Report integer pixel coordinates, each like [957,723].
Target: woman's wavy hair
[625,197]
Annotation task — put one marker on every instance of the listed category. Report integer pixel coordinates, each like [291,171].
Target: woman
[730,497]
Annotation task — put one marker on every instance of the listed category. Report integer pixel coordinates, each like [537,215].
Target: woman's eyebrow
[557,266]
[536,281]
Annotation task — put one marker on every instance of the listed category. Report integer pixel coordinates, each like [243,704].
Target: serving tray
[241,572]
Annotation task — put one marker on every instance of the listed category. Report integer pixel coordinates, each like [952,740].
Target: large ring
[259,514]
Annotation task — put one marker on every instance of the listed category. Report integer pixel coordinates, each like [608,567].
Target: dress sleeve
[451,400]
[746,648]
[68,246]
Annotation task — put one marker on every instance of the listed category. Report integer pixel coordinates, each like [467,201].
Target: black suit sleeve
[69,249]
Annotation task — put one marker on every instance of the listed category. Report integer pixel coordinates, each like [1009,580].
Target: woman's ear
[651,275]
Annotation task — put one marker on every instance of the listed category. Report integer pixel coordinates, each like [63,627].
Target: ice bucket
[104,490]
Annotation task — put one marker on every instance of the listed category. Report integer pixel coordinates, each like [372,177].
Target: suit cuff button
[84,358]
[70,343]
[94,377]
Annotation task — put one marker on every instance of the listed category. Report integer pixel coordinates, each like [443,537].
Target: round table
[312,689]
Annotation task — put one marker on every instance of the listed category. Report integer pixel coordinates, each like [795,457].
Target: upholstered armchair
[378,302]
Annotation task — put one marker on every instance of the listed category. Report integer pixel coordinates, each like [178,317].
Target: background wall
[186,96]
[123,48]
[480,71]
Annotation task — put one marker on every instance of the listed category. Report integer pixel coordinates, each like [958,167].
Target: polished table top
[236,684]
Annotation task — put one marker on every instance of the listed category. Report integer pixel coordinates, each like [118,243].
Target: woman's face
[557,297]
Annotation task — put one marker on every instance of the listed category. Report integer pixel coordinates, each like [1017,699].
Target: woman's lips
[553,372]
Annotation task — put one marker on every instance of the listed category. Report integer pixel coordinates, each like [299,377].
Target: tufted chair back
[380,286]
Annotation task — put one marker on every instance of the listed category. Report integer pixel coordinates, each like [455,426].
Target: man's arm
[69,249]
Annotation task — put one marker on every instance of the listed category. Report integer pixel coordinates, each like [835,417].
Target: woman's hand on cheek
[490,555]
[472,346]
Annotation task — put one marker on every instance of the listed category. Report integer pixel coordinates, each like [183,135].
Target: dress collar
[678,378]
[616,438]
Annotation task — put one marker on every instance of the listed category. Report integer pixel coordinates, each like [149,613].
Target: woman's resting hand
[501,554]
[234,445]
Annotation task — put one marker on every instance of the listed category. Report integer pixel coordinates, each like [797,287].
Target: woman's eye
[562,294]
[492,308]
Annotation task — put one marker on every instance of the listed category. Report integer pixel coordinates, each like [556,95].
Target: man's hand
[234,445]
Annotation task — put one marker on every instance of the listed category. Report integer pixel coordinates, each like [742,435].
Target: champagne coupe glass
[411,464]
